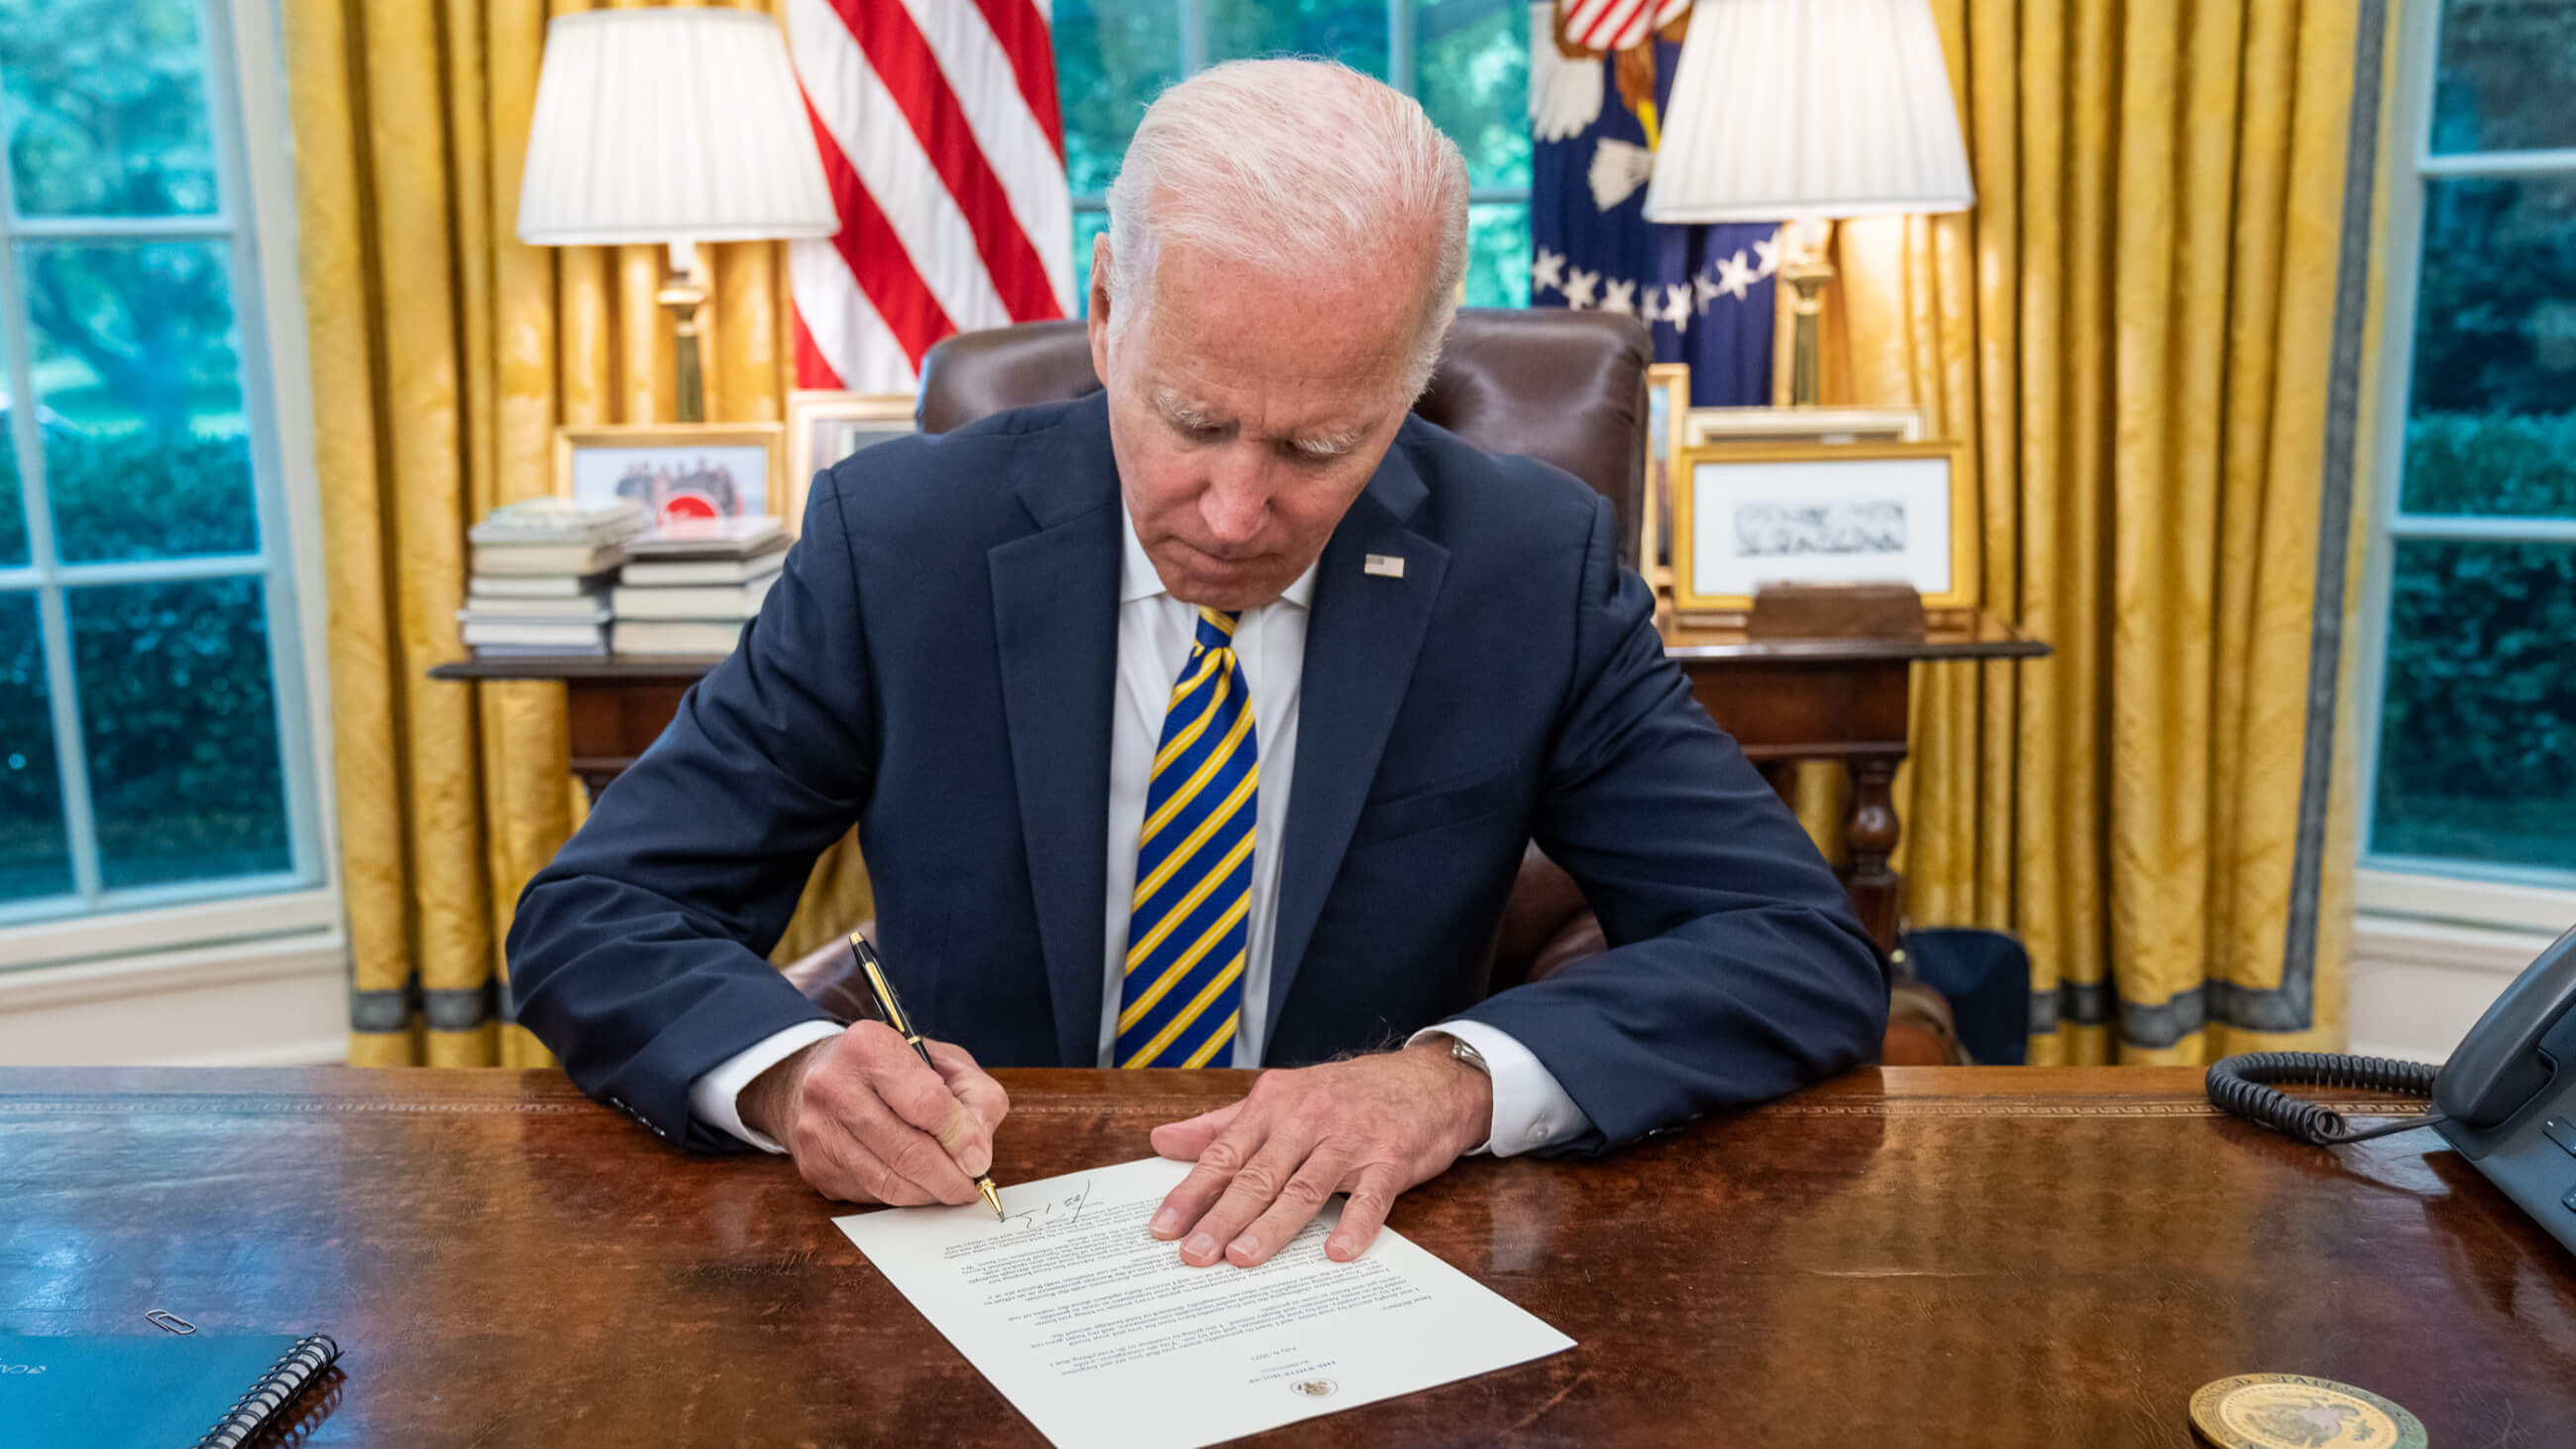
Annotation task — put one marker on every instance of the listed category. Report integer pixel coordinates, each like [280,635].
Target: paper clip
[168,1322]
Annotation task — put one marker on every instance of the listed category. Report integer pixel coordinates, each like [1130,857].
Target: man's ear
[1100,307]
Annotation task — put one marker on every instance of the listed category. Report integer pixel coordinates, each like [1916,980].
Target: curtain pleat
[2132,335]
[445,353]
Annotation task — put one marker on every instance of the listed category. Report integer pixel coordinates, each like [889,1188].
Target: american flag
[944,148]
[1617,24]
[1704,292]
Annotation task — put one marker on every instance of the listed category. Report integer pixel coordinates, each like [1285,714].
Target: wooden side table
[617,707]
[1783,700]
[1844,699]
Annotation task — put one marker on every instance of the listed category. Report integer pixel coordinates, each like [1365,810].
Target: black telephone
[2506,1099]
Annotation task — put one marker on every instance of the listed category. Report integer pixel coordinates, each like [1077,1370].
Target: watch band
[1458,1048]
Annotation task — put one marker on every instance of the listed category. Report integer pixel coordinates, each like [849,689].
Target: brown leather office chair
[1566,387]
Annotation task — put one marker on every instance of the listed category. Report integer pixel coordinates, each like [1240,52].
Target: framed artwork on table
[1667,417]
[686,473]
[1746,514]
[825,427]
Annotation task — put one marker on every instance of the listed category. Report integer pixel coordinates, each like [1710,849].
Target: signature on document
[1066,1209]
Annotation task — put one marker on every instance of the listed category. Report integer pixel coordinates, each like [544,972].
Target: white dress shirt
[1155,633]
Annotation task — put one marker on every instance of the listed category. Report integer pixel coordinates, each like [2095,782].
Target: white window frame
[2517,908]
[133,942]
[1190,18]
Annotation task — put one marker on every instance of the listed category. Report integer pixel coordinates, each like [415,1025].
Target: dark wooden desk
[1783,700]
[1942,1256]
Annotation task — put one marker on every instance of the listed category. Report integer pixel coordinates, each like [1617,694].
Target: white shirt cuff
[1530,1110]
[713,1097]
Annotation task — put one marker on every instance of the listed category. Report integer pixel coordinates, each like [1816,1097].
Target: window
[2471,766]
[1467,61]
[155,740]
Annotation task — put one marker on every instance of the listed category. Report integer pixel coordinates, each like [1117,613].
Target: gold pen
[883,990]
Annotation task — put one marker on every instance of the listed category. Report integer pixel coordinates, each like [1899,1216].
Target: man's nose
[1237,500]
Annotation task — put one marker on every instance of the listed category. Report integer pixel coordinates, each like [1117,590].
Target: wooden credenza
[1784,700]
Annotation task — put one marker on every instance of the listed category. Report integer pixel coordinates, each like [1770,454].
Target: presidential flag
[1599,74]
[944,149]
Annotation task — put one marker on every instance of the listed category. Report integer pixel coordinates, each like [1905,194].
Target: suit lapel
[1055,617]
[1364,632]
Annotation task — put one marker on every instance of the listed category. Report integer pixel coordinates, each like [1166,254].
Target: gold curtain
[444,355]
[2134,332]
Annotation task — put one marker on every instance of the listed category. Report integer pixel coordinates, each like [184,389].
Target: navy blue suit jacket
[937,663]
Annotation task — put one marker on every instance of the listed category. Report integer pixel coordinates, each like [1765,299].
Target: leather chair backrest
[1568,388]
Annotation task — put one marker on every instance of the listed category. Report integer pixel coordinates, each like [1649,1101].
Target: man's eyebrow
[1315,445]
[1181,412]
[1330,445]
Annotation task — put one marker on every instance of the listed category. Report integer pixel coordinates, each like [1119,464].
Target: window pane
[1471,72]
[1498,254]
[2495,351]
[2506,69]
[2477,747]
[1112,57]
[181,728]
[35,860]
[1350,31]
[1086,225]
[13,517]
[107,107]
[2474,463]
[138,385]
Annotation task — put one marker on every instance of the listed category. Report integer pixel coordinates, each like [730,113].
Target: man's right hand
[867,1122]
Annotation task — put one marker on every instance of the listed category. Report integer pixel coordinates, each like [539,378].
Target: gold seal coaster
[2293,1411]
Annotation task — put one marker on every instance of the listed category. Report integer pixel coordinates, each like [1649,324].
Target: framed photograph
[825,427]
[1802,425]
[1667,417]
[684,472]
[1745,515]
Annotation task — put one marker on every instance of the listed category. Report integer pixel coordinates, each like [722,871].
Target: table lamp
[1808,111]
[671,126]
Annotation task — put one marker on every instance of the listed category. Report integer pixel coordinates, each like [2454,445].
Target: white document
[1097,1331]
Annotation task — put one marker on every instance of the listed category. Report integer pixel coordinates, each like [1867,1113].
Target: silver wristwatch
[1458,1048]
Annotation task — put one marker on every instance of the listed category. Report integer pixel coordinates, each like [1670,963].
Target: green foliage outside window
[107,103]
[33,853]
[2475,463]
[2478,707]
[180,725]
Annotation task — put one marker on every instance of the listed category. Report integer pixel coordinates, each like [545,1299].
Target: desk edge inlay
[252,1104]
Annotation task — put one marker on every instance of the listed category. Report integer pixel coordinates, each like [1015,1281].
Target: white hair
[1290,166]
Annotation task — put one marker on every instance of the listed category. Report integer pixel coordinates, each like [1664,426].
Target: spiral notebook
[199,1390]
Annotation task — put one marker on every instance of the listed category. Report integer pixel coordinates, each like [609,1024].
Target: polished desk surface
[1911,1256]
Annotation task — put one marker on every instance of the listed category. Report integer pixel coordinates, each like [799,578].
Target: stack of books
[542,568]
[689,592]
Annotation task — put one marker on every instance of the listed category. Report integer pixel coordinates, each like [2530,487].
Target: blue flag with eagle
[1599,73]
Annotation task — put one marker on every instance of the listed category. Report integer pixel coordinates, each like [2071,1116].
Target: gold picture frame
[1667,433]
[1822,513]
[1709,426]
[593,465]
[823,427]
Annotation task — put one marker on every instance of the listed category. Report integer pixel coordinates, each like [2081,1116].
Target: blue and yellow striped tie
[1186,935]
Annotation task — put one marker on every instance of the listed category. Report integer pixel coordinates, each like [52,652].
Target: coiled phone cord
[2236,1085]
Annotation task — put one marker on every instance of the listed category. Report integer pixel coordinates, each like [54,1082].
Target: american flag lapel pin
[1383,565]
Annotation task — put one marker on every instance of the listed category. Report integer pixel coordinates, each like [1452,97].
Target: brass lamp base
[684,293]
[1807,272]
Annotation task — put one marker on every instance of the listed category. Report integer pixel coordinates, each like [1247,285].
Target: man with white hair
[1203,722]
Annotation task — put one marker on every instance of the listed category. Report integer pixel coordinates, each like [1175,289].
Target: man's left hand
[1371,1126]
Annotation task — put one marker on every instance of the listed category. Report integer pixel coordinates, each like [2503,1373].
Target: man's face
[1247,412]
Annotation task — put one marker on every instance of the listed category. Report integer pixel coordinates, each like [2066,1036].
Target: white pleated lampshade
[1785,109]
[669,125]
